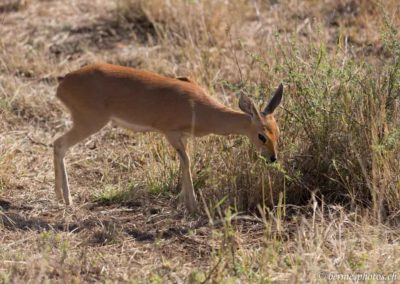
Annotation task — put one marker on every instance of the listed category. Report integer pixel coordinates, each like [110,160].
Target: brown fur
[145,101]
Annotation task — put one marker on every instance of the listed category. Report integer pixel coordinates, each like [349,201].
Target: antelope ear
[247,106]
[275,101]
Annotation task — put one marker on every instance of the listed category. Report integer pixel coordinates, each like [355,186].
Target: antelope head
[264,131]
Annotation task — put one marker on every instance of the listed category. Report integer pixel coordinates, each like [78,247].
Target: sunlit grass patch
[115,194]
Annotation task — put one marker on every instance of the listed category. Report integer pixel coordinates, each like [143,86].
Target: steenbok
[144,101]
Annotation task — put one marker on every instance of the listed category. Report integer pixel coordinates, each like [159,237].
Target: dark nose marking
[273,158]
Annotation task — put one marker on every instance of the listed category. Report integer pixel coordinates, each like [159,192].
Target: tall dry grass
[331,204]
[340,115]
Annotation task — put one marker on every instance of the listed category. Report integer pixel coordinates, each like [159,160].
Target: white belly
[132,126]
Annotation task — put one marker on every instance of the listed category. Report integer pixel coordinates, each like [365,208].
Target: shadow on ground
[142,223]
[103,34]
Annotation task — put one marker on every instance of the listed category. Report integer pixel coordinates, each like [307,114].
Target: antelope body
[143,101]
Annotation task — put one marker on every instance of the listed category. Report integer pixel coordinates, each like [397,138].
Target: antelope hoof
[191,204]
[68,202]
[59,198]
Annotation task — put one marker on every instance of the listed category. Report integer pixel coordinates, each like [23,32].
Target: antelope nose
[273,158]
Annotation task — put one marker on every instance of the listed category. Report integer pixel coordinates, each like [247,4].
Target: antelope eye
[262,138]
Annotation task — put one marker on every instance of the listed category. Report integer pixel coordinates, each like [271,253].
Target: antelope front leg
[179,182]
[179,143]
[187,183]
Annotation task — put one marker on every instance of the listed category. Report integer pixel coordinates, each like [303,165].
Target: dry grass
[330,206]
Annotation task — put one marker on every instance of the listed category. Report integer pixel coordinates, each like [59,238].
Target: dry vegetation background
[332,204]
